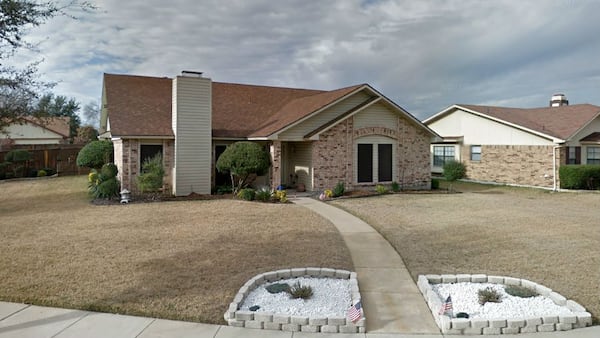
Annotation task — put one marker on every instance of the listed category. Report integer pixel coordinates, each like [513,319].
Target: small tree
[151,178]
[453,170]
[242,160]
[95,154]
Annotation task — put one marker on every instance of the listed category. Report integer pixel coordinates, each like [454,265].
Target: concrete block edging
[272,321]
[580,319]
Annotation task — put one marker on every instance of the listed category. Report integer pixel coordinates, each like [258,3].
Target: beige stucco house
[33,131]
[519,146]
[355,134]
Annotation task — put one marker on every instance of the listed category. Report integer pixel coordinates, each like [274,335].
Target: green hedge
[573,176]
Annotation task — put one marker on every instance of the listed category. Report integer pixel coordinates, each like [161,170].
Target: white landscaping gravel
[331,298]
[465,299]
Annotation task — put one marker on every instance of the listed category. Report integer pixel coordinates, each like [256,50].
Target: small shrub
[488,295]
[263,194]
[108,188]
[520,291]
[281,195]
[339,189]
[395,186]
[109,170]
[41,173]
[454,170]
[328,193]
[278,287]
[299,291]
[247,194]
[153,172]
[224,189]
[104,184]
[17,156]
[435,183]
[381,189]
[49,171]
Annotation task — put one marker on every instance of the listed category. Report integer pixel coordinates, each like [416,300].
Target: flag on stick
[355,312]
[447,306]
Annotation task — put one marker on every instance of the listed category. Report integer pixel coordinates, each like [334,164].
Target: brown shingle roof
[560,122]
[58,124]
[138,105]
[141,106]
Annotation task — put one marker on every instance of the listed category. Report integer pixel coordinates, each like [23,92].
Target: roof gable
[554,122]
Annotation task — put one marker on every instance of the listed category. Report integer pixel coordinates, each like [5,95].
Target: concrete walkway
[391,300]
[393,305]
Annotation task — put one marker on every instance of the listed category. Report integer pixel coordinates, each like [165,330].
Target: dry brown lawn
[179,260]
[549,238]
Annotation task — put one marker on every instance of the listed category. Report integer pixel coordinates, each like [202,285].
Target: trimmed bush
[395,186]
[574,176]
[520,291]
[104,184]
[17,156]
[339,189]
[95,154]
[435,183]
[41,173]
[242,160]
[247,194]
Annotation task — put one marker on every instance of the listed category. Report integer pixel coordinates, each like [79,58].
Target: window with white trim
[442,154]
[593,155]
[475,153]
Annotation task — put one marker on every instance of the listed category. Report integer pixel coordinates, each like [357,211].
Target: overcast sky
[424,55]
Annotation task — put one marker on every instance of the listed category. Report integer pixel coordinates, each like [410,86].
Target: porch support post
[275,150]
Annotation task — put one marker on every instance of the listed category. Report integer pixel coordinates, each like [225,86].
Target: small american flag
[447,306]
[355,313]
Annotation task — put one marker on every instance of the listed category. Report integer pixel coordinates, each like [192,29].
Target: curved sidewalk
[391,300]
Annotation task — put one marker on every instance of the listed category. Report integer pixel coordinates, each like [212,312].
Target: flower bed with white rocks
[334,291]
[547,312]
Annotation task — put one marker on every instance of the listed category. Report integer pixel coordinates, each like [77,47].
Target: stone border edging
[273,321]
[581,318]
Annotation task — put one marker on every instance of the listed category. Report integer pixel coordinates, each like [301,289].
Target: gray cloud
[424,55]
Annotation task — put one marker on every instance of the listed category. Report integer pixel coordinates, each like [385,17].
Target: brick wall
[127,158]
[522,165]
[333,154]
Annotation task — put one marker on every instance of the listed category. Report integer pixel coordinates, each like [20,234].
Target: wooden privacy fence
[60,157]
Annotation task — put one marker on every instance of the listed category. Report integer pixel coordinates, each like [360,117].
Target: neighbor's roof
[559,122]
[57,124]
[141,106]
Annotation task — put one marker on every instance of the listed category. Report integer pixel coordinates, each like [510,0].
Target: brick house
[518,146]
[316,138]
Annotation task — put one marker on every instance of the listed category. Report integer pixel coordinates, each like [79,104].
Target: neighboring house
[520,146]
[317,138]
[33,131]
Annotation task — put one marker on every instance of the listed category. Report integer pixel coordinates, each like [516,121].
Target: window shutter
[577,155]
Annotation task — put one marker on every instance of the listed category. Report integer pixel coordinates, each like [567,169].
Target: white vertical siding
[297,132]
[377,115]
[192,127]
[301,163]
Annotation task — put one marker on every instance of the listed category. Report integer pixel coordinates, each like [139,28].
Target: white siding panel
[29,133]
[377,115]
[479,130]
[192,111]
[297,132]
[301,163]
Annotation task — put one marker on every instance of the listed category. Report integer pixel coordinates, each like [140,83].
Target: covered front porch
[292,165]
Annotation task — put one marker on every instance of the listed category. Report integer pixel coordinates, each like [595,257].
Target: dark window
[221,179]
[574,155]
[365,163]
[442,154]
[593,155]
[385,163]
[148,151]
[475,153]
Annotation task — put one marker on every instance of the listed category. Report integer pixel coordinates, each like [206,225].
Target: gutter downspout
[554,188]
